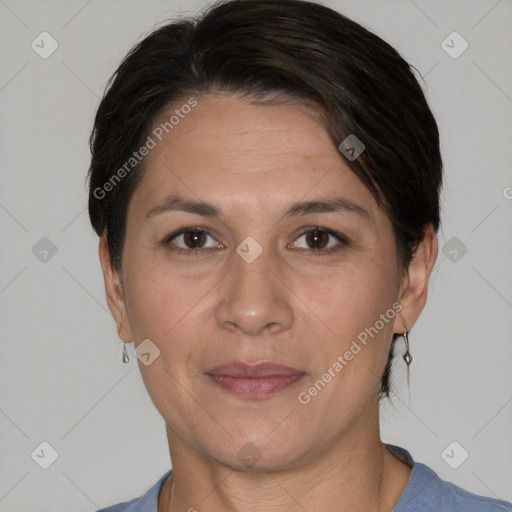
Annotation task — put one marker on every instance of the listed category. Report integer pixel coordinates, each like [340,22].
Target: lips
[254,381]
[262,370]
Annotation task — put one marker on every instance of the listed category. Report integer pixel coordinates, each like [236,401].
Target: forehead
[231,127]
[226,148]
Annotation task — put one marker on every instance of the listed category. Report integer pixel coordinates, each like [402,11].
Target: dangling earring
[125,354]
[407,356]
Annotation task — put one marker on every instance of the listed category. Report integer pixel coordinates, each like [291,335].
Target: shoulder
[426,492]
[146,503]
[126,506]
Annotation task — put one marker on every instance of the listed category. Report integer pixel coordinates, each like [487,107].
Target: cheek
[351,298]
[355,306]
[158,297]
[164,307]
[176,313]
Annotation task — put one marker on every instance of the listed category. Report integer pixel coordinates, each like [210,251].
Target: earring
[407,356]
[125,354]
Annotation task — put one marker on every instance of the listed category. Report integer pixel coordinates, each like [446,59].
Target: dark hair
[268,50]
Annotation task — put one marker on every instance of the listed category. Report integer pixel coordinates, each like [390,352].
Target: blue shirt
[424,492]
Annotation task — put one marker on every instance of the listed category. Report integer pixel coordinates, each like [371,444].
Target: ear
[114,292]
[414,286]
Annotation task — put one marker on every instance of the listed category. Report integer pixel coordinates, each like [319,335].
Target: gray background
[61,376]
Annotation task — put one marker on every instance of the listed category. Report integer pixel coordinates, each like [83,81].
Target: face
[287,261]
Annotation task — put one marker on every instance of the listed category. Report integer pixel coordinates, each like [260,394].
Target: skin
[289,306]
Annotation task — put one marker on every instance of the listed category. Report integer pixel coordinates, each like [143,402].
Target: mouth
[254,381]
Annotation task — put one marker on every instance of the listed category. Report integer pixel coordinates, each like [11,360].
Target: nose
[254,296]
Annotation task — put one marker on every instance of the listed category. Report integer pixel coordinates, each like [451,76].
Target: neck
[355,474]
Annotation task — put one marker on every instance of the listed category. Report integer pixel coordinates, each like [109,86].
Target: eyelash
[343,241]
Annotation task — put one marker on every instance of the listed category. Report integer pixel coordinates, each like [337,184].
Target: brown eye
[320,241]
[317,239]
[192,240]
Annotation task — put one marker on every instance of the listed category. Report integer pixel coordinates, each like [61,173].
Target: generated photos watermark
[151,142]
[304,397]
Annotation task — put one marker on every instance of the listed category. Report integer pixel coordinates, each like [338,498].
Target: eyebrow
[175,202]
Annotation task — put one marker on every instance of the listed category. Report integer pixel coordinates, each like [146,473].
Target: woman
[265,184]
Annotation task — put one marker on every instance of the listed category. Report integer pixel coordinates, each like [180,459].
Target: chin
[252,450]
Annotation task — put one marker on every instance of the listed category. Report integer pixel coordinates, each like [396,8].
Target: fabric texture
[425,492]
